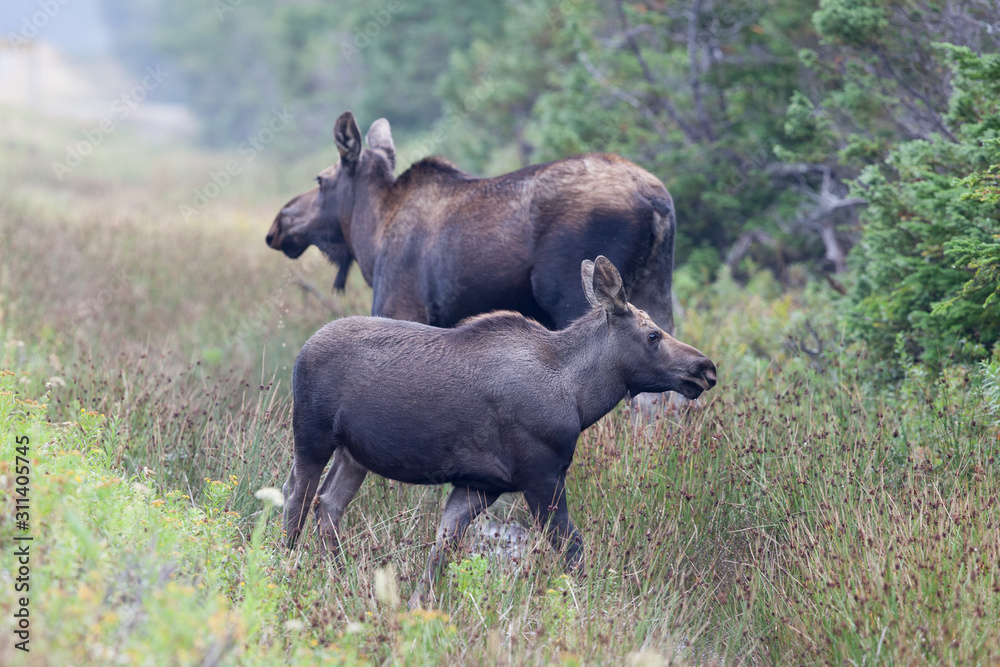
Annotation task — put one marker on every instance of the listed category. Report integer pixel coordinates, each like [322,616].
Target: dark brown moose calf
[494,405]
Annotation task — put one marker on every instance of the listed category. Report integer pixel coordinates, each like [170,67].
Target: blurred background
[755,113]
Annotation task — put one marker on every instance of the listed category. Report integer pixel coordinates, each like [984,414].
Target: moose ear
[379,137]
[347,136]
[587,275]
[607,288]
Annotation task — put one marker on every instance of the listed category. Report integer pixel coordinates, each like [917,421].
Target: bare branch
[935,117]
[822,219]
[662,102]
[623,40]
[322,298]
[695,79]
[631,100]
[743,243]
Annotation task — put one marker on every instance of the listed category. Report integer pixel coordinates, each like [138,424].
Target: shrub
[930,242]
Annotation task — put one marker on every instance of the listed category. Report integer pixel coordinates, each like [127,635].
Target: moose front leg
[548,505]
[462,507]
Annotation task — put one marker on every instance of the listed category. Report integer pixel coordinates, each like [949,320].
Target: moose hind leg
[313,449]
[463,506]
[340,486]
[548,505]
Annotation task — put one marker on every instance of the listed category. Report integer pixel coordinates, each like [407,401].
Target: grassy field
[803,516]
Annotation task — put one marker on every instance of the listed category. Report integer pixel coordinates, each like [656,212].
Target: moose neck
[364,232]
[590,366]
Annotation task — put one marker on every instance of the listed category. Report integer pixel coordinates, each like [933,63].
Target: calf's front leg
[547,503]
[462,507]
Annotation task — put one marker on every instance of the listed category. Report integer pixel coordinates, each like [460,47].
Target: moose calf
[494,405]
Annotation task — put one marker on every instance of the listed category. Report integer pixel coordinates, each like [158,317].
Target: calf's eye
[653,337]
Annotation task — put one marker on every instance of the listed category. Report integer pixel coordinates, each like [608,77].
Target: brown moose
[438,245]
[494,405]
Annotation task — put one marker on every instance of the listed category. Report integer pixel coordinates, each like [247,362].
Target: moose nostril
[270,237]
[710,377]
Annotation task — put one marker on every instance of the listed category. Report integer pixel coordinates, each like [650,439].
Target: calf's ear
[607,289]
[379,137]
[347,136]
[587,275]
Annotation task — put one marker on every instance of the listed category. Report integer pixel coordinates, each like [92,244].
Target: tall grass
[802,515]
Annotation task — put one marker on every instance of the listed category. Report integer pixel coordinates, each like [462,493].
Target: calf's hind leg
[313,449]
[340,486]
[463,506]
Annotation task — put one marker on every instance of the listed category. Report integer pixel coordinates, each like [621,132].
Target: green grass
[802,516]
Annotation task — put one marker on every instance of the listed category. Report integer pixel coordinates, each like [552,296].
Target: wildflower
[385,586]
[272,494]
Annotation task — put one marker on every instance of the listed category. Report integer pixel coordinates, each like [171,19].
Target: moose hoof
[419,598]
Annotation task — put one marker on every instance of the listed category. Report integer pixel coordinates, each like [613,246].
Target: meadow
[802,515]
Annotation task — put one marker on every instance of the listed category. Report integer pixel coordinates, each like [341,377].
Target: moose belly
[422,458]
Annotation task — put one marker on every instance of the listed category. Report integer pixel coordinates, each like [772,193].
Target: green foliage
[928,258]
[991,388]
[468,577]
[857,22]
[234,62]
[119,572]
[754,114]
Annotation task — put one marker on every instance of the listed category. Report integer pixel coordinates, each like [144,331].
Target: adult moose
[438,245]
[495,405]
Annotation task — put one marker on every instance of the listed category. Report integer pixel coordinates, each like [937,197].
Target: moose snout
[708,374]
[701,376]
[274,234]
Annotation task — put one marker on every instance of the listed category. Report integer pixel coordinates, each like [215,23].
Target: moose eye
[654,336]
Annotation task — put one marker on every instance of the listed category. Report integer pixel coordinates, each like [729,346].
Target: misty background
[760,116]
